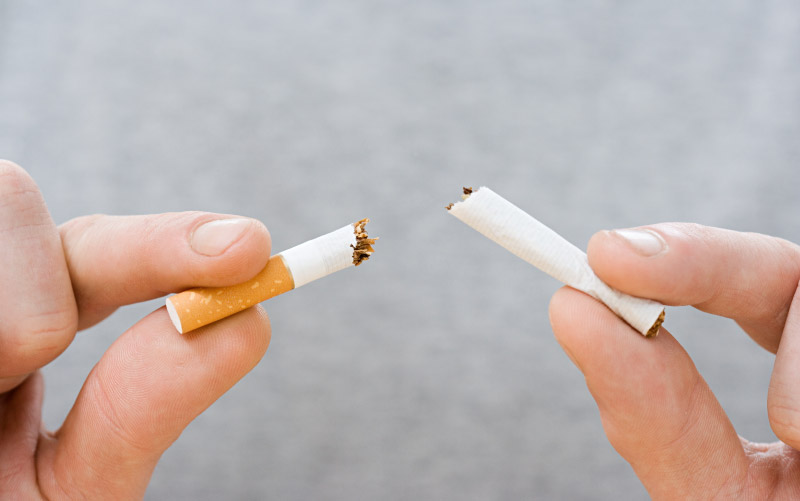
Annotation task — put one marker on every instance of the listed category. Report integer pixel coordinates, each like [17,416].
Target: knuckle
[20,198]
[153,225]
[40,338]
[14,179]
[9,167]
[785,422]
[152,228]
[169,219]
[770,306]
[82,223]
[73,231]
[60,324]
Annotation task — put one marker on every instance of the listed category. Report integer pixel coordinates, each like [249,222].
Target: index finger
[748,277]
[119,260]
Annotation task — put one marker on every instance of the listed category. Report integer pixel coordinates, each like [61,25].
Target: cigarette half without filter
[519,232]
[309,261]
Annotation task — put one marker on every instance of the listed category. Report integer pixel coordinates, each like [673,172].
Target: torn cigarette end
[362,250]
[290,269]
[654,330]
[527,238]
[464,196]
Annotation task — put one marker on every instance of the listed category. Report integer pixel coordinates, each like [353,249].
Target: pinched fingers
[119,260]
[748,277]
[38,316]
[657,410]
[52,283]
[152,382]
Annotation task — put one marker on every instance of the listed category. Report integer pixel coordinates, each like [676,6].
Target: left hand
[152,381]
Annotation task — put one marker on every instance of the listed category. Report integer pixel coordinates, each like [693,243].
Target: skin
[656,409]
[151,382]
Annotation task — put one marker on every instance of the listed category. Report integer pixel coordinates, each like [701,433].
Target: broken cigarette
[309,261]
[508,225]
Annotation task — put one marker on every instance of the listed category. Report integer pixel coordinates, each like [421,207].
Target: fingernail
[214,237]
[646,243]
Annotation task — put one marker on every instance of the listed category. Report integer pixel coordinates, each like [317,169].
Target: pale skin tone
[152,381]
[656,409]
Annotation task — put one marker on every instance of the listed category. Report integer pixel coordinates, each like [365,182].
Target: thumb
[656,409]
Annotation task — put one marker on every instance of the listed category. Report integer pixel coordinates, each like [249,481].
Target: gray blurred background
[309,115]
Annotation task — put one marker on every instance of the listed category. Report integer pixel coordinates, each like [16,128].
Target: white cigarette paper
[321,256]
[309,261]
[517,231]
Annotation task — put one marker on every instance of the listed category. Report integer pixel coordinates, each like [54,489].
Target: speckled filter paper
[288,270]
[523,235]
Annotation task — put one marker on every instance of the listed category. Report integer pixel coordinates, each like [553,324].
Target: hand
[152,381]
[656,409]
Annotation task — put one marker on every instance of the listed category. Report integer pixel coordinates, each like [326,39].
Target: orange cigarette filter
[309,261]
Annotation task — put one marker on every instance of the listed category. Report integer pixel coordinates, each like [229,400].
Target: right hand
[656,409]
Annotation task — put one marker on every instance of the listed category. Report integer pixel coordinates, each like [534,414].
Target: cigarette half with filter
[309,261]
[508,225]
